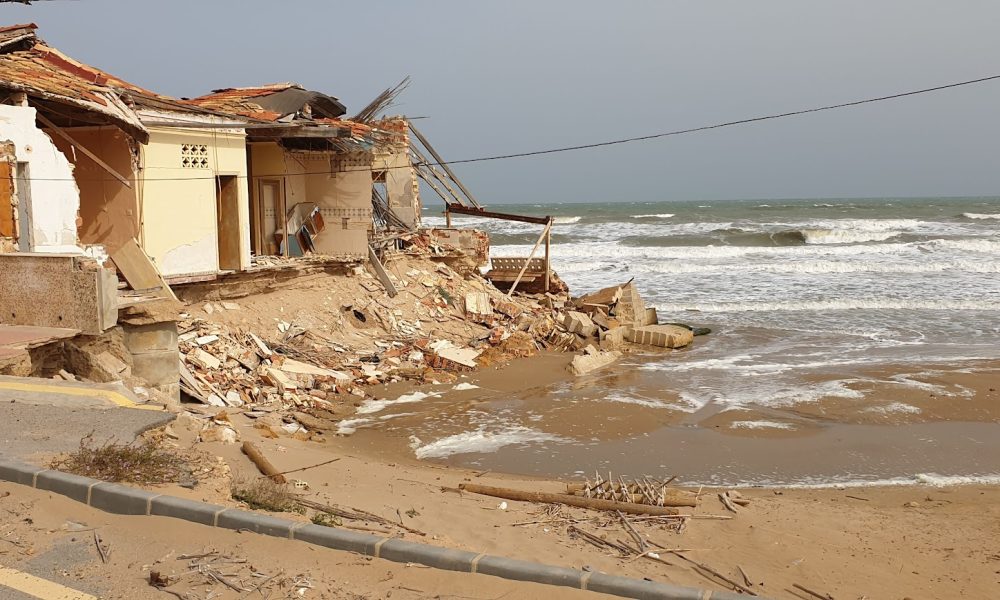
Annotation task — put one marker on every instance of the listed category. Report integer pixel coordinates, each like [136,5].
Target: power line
[641,138]
[726,124]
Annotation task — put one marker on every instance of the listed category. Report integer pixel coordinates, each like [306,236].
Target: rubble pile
[611,317]
[298,378]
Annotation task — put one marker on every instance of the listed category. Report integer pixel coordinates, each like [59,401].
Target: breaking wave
[566,220]
[654,216]
[981,216]
[834,304]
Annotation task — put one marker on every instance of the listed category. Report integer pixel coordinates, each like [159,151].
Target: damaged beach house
[120,208]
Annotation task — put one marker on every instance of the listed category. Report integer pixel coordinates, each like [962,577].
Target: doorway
[270,205]
[228,215]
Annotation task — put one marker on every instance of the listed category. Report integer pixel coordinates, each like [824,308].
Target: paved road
[43,417]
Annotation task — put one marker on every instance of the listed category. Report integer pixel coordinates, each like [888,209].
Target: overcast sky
[512,76]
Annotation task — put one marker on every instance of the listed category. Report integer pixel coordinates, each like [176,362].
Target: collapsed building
[132,222]
[114,198]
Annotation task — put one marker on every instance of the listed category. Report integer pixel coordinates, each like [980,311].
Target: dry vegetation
[142,462]
[264,494]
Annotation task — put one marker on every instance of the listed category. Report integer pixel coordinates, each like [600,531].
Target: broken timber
[578,501]
[381,273]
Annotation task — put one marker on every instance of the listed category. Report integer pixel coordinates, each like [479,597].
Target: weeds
[264,494]
[142,462]
[325,520]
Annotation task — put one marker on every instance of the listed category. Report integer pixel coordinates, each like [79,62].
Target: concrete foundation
[153,349]
[57,290]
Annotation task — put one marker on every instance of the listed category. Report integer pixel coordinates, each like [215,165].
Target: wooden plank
[380,272]
[58,131]
[6,197]
[139,270]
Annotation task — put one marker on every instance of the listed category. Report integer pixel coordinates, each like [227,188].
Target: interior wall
[178,203]
[109,210]
[51,219]
[402,187]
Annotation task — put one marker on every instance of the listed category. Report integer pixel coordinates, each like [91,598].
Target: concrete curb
[124,500]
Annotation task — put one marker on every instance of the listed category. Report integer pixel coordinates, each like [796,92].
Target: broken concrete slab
[592,360]
[578,322]
[663,336]
[612,339]
[203,359]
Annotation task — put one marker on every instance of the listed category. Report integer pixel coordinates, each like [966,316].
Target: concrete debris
[664,336]
[592,360]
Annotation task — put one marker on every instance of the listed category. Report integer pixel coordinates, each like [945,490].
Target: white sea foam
[894,408]
[760,425]
[349,426]
[845,236]
[482,441]
[465,386]
[833,304]
[654,216]
[855,482]
[637,400]
[981,216]
[566,220]
[820,266]
[373,406]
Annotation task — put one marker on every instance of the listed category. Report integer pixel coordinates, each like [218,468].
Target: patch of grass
[141,462]
[262,493]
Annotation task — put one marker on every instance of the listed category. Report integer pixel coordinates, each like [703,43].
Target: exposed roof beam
[58,131]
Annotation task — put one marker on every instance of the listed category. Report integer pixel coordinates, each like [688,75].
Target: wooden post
[447,216]
[534,249]
[548,244]
[284,220]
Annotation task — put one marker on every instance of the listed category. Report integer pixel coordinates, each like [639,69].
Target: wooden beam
[58,131]
[299,132]
[381,273]
[443,163]
[478,212]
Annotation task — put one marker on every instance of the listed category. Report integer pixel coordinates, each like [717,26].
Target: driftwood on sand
[569,500]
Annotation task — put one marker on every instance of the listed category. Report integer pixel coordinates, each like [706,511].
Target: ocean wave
[845,236]
[815,267]
[850,481]
[833,304]
[655,216]
[981,216]
[566,220]
[482,441]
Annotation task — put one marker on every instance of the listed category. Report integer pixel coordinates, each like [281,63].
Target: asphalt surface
[39,418]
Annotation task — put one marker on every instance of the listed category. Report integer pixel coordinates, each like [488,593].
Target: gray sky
[514,76]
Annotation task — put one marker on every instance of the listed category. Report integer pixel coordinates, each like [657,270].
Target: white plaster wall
[54,197]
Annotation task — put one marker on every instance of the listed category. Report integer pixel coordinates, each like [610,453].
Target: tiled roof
[240,100]
[47,73]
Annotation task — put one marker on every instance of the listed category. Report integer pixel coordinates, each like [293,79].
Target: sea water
[805,298]
[788,286]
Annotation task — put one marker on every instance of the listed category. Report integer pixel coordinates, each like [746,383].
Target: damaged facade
[201,185]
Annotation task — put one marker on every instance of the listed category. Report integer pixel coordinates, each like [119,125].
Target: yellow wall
[178,203]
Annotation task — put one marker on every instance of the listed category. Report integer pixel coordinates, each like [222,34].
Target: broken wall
[401,182]
[339,184]
[177,197]
[109,210]
[44,187]
[57,290]
[8,200]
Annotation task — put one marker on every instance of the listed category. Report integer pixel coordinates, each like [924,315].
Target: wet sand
[532,418]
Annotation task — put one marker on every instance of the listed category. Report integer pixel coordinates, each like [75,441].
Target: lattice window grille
[194,156]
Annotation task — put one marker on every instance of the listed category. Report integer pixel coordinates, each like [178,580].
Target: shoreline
[949,440]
